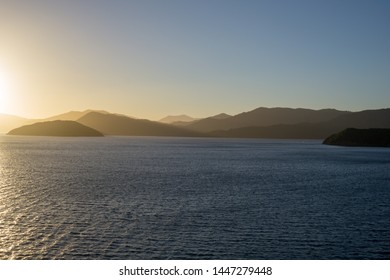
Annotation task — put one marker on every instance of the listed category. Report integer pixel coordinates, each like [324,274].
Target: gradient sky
[202,57]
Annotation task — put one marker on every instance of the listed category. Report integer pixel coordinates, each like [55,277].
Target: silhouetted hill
[262,117]
[187,123]
[110,124]
[8,122]
[70,116]
[221,116]
[280,131]
[55,128]
[364,119]
[374,137]
[179,118]
[259,123]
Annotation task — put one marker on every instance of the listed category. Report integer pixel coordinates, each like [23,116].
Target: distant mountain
[373,137]
[110,124]
[187,123]
[258,123]
[261,117]
[280,131]
[320,130]
[69,116]
[179,118]
[221,116]
[55,128]
[8,122]
[379,118]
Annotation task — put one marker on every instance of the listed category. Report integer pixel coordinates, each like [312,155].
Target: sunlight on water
[172,198]
[6,207]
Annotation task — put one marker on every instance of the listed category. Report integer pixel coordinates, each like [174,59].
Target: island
[372,137]
[56,128]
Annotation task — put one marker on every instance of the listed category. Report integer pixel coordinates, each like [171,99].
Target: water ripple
[159,198]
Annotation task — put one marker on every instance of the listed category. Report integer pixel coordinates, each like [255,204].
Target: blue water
[188,198]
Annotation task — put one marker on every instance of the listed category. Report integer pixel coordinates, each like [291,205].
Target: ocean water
[188,198]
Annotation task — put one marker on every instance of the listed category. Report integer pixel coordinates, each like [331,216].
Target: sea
[163,198]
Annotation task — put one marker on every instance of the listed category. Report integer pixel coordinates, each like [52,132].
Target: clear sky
[150,58]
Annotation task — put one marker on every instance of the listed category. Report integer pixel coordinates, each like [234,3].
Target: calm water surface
[188,198]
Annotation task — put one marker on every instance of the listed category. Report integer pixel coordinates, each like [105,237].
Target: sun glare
[4,97]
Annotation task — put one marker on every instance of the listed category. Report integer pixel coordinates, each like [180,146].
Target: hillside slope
[55,128]
[110,124]
[266,117]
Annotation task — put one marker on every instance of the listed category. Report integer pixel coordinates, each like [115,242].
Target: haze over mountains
[179,118]
[8,122]
[258,123]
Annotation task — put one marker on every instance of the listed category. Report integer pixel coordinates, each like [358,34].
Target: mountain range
[258,123]
[110,124]
[261,117]
[311,129]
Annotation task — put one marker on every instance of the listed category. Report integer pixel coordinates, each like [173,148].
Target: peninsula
[373,137]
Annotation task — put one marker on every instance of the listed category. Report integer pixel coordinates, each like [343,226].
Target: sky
[149,59]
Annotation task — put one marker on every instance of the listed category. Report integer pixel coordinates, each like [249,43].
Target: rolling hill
[69,116]
[258,123]
[319,130]
[8,122]
[262,117]
[187,123]
[55,128]
[110,124]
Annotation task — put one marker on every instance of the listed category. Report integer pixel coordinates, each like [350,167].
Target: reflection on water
[173,198]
